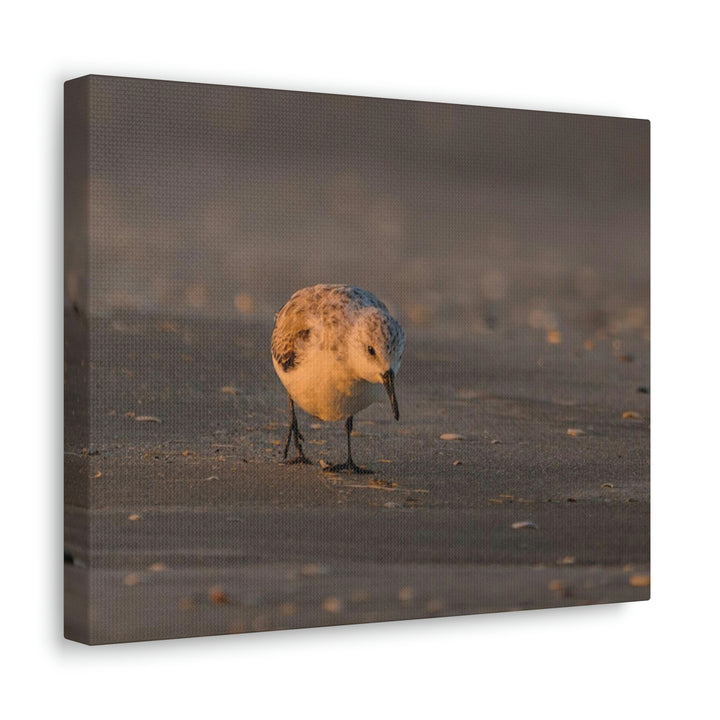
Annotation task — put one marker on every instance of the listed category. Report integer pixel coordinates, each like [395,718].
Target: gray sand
[195,527]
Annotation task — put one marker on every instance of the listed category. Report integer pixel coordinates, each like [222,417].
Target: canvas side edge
[76,345]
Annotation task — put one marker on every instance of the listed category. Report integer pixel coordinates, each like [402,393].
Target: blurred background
[212,201]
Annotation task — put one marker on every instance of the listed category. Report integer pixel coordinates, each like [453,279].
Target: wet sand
[194,527]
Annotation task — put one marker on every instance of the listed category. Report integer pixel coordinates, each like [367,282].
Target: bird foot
[348,467]
[298,460]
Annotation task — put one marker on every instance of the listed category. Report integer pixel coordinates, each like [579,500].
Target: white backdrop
[616,58]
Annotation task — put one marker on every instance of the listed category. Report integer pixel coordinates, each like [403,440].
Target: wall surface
[623,60]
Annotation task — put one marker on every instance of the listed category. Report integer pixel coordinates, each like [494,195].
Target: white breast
[324,388]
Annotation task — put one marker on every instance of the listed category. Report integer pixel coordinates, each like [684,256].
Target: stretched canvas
[480,274]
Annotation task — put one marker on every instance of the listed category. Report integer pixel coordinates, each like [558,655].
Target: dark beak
[389,382]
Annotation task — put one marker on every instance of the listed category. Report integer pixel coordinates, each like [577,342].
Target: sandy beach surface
[181,520]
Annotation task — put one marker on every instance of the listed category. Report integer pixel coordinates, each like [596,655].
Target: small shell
[332,605]
[576,432]
[452,436]
[314,569]
[631,415]
[218,595]
[406,594]
[524,525]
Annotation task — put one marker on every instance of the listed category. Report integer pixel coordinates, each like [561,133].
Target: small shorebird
[334,348]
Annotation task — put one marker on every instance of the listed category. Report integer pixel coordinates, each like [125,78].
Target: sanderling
[334,348]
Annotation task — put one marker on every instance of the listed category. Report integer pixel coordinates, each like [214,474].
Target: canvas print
[337,360]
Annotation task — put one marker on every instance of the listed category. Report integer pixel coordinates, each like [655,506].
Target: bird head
[377,342]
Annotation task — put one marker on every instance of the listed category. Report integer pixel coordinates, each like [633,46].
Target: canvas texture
[509,251]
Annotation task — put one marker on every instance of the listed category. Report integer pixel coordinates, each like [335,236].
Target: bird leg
[350,466]
[294,433]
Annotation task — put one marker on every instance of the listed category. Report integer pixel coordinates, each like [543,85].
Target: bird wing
[291,334]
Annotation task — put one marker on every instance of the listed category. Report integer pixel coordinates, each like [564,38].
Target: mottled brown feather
[287,346]
[304,310]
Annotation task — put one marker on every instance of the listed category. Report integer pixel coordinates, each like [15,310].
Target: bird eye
[371,349]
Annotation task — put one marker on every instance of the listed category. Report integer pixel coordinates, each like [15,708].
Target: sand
[181,520]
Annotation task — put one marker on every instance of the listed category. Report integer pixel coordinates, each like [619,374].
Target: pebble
[640,580]
[452,436]
[575,432]
[631,415]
